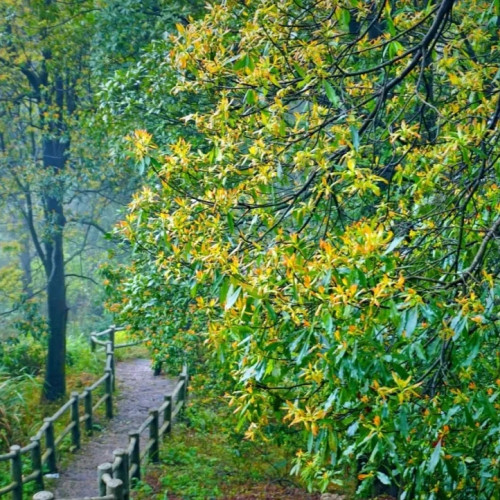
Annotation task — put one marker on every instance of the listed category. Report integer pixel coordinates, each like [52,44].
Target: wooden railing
[110,332]
[116,478]
[44,446]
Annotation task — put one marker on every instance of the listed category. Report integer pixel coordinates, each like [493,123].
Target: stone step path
[138,392]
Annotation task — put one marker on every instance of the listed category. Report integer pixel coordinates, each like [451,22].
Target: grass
[138,351]
[21,403]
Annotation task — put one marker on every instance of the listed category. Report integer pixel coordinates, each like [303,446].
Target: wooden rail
[115,479]
[43,447]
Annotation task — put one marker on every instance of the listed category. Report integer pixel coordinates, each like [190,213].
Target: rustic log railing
[115,480]
[44,447]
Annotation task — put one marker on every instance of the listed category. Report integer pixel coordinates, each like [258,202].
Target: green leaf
[327,321]
[394,244]
[230,221]
[351,430]
[458,324]
[473,346]
[390,26]
[344,16]
[303,352]
[249,62]
[355,137]
[251,97]
[393,48]
[295,343]
[245,61]
[223,290]
[300,71]
[232,297]
[270,310]
[141,167]
[241,62]
[403,423]
[330,93]
[435,457]
[383,478]
[411,321]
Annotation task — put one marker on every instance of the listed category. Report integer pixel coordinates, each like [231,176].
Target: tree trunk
[54,158]
[25,259]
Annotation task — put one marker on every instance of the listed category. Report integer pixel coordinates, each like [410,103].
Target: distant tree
[57,160]
[42,84]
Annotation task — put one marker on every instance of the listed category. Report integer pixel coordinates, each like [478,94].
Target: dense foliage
[336,231]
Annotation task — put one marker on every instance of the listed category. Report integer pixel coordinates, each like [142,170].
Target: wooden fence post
[154,451]
[36,462]
[92,343]
[50,443]
[183,391]
[186,382]
[122,471]
[113,368]
[110,360]
[111,352]
[16,471]
[167,414]
[112,337]
[109,392]
[115,487]
[135,455]
[112,330]
[43,495]
[87,402]
[75,418]
[105,468]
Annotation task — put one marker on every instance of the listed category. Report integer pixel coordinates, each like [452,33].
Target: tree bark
[54,159]
[25,260]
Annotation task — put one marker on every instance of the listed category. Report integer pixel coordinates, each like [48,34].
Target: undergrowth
[206,457]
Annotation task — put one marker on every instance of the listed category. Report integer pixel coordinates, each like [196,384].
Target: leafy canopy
[337,229]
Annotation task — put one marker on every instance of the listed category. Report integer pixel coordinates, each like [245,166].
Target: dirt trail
[139,391]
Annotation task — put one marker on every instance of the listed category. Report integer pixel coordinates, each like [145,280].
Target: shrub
[23,355]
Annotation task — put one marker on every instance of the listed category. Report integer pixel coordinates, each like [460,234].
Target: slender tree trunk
[25,259]
[54,158]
